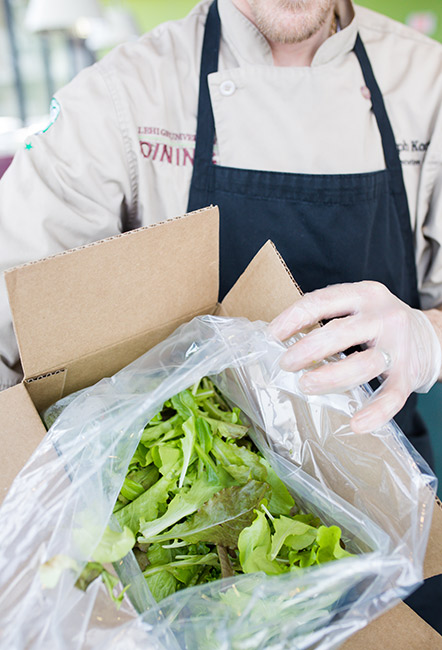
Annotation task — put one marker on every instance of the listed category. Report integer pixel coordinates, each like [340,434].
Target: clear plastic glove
[400,345]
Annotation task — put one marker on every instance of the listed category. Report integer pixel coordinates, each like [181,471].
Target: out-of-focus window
[44,44]
[32,67]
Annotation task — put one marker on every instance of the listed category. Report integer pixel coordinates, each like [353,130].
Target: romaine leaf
[222,518]
[180,562]
[187,445]
[156,431]
[185,404]
[241,473]
[205,435]
[231,454]
[131,489]
[226,428]
[303,559]
[162,584]
[167,458]
[146,476]
[141,456]
[147,504]
[216,473]
[182,505]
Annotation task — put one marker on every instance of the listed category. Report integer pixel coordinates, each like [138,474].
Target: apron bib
[329,228]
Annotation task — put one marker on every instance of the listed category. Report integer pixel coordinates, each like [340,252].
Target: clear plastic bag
[375,487]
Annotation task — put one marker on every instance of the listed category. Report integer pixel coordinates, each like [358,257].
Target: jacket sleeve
[66,187]
[429,238]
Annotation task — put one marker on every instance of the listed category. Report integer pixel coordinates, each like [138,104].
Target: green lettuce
[222,518]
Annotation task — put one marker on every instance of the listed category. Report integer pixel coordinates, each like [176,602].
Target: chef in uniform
[310,122]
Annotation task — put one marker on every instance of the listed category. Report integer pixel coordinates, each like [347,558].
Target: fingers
[336,336]
[389,401]
[339,376]
[331,302]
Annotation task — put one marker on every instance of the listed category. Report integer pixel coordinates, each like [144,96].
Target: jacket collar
[249,46]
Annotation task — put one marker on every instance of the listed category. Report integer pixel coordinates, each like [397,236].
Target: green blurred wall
[150,13]
[402,9]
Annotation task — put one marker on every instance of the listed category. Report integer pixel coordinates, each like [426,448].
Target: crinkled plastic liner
[375,487]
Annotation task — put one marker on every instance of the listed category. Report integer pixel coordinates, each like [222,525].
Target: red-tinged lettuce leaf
[222,518]
[91,572]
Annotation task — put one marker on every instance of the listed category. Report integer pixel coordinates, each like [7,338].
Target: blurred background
[44,43]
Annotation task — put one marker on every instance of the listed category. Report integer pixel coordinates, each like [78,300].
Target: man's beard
[290,21]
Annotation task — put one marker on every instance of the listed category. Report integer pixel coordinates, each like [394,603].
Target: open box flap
[264,289]
[74,303]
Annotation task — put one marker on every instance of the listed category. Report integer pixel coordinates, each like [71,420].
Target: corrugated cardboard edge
[256,295]
[21,432]
[94,296]
[129,233]
[398,629]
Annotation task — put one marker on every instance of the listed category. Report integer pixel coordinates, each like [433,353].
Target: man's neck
[292,54]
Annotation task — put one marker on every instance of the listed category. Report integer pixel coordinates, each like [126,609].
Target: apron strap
[393,165]
[205,133]
[391,154]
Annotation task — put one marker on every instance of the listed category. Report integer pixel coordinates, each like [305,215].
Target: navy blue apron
[329,228]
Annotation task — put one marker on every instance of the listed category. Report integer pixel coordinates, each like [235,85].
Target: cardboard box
[84,314]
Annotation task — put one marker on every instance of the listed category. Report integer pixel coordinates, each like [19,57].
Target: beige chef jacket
[119,152]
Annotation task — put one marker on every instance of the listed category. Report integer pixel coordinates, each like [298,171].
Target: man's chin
[289,21]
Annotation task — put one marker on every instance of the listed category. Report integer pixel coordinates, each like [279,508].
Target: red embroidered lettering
[146,148]
[167,152]
[187,156]
[155,151]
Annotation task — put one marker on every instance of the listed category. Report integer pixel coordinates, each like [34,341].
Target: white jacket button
[227,88]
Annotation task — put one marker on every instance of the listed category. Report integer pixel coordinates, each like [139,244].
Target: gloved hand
[400,344]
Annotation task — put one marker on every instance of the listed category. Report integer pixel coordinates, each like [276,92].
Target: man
[306,124]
